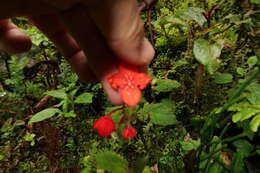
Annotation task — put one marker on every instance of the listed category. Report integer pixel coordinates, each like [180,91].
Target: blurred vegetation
[200,114]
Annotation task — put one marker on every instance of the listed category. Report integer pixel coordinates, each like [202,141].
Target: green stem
[234,137]
[224,130]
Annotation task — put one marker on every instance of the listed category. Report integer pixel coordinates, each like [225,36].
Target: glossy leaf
[61,94]
[192,13]
[252,61]
[111,162]
[84,98]
[254,96]
[255,123]
[44,114]
[215,168]
[166,85]
[222,78]
[244,114]
[205,52]
[202,52]
[243,147]
[161,113]
[190,144]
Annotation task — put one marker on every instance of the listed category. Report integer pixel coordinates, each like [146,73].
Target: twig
[9,111]
[40,105]
[224,30]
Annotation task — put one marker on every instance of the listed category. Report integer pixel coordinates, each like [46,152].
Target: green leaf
[70,114]
[2,157]
[190,144]
[29,137]
[161,113]
[111,162]
[215,168]
[216,148]
[216,48]
[205,52]
[258,152]
[166,85]
[242,106]
[252,61]
[244,114]
[43,115]
[19,123]
[213,66]
[254,96]
[202,52]
[243,147]
[84,98]
[238,163]
[236,19]
[61,94]
[255,1]
[2,94]
[222,78]
[192,13]
[255,123]
[241,71]
[140,164]
[245,126]
[85,170]
[147,170]
[169,19]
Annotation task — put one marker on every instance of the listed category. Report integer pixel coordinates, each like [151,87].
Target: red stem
[115,110]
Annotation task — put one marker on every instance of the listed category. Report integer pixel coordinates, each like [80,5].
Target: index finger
[120,23]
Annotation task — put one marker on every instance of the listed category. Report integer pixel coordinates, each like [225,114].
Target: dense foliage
[201,112]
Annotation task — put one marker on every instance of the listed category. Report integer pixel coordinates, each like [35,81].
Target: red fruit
[129,80]
[104,126]
[129,132]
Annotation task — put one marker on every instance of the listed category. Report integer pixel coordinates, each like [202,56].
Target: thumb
[123,29]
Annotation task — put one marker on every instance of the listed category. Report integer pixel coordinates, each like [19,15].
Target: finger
[120,23]
[12,39]
[100,58]
[54,29]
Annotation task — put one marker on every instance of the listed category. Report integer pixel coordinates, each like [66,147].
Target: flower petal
[131,95]
[141,80]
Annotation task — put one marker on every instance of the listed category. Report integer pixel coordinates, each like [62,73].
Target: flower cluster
[105,126]
[129,81]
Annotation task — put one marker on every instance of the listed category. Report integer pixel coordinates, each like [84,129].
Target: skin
[93,35]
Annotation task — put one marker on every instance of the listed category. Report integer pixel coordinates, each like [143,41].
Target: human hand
[93,35]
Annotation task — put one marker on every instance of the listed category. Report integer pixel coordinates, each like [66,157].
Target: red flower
[104,126]
[129,80]
[129,132]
